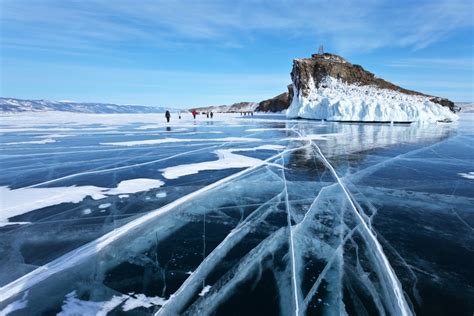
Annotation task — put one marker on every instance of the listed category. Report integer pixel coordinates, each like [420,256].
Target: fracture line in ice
[117,168]
[291,242]
[326,268]
[226,285]
[16,305]
[401,306]
[180,298]
[374,168]
[82,253]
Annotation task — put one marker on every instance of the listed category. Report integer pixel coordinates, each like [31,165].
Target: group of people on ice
[193,112]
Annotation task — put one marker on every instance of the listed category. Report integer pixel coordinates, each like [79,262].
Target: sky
[199,53]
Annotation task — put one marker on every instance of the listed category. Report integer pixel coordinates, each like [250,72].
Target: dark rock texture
[277,104]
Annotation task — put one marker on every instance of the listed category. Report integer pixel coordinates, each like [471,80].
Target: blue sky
[189,53]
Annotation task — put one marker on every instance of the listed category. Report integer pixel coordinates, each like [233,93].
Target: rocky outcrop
[309,72]
[328,87]
[277,104]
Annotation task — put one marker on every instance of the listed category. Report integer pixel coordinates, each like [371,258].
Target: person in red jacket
[194,113]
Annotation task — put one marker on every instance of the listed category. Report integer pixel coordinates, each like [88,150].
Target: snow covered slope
[327,86]
[338,101]
[11,105]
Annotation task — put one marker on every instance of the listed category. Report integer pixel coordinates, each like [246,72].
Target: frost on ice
[334,100]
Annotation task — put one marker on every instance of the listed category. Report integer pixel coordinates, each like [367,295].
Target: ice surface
[301,218]
[338,101]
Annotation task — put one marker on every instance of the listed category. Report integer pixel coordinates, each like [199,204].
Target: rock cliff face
[327,86]
[277,104]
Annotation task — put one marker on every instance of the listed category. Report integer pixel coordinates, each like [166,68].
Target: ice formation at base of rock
[337,101]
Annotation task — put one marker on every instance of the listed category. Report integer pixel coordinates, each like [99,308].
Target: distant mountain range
[466,107]
[10,105]
[234,108]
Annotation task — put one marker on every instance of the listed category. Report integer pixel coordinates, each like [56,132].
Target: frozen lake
[237,215]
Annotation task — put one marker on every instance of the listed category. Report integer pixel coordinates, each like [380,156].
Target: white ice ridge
[227,159]
[16,305]
[82,253]
[23,200]
[400,307]
[181,140]
[338,101]
[292,243]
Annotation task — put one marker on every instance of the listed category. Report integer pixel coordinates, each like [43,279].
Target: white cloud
[348,25]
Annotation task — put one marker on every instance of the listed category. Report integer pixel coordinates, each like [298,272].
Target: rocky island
[328,87]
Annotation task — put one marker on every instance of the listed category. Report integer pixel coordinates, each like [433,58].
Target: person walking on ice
[167,115]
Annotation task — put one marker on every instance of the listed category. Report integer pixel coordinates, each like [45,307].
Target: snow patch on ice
[135,185]
[141,300]
[205,290]
[105,205]
[467,175]
[227,159]
[75,306]
[181,140]
[23,200]
[338,101]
